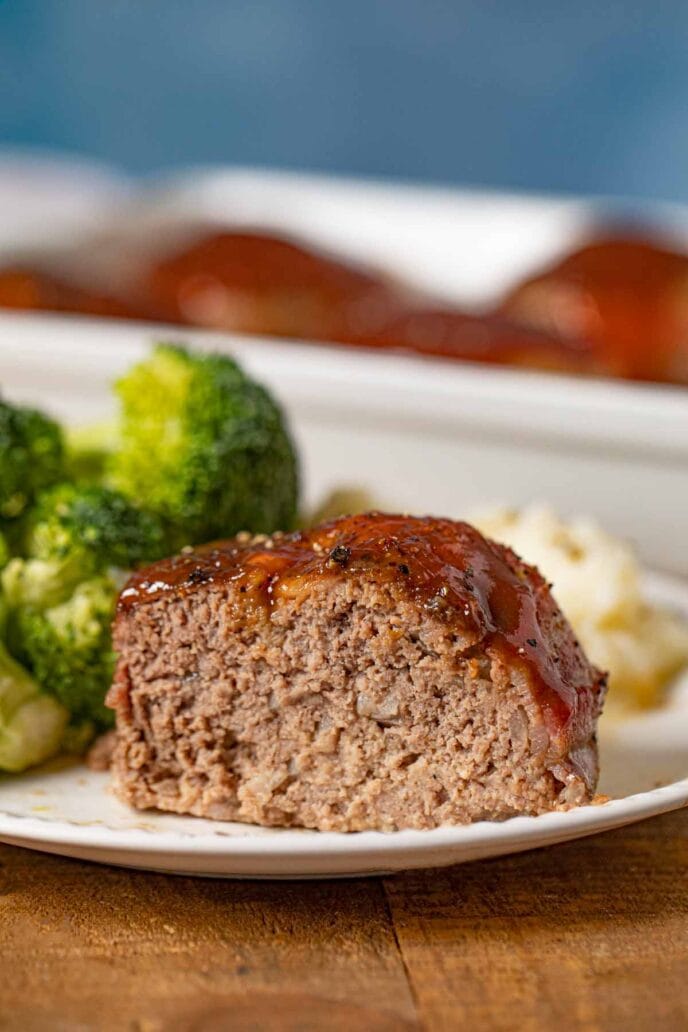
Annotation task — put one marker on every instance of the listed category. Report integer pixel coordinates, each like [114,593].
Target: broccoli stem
[31,724]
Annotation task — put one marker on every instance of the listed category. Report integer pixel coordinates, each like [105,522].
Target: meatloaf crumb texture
[335,693]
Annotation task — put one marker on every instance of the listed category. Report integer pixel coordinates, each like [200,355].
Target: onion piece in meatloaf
[376,672]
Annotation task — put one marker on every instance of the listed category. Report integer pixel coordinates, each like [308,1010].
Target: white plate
[421,436]
[34,814]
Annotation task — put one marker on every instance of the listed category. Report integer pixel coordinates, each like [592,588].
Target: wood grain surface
[592,936]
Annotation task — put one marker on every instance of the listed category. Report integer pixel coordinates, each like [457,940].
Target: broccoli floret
[78,737]
[32,723]
[72,533]
[204,447]
[61,597]
[39,582]
[31,457]
[88,452]
[68,648]
[94,525]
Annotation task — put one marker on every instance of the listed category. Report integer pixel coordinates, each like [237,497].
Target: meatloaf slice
[376,672]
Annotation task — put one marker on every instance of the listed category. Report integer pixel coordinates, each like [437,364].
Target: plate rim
[293,842]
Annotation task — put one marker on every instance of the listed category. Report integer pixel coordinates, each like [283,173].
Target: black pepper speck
[340,555]
[199,576]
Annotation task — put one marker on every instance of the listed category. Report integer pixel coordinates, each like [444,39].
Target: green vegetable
[343,501]
[31,457]
[202,452]
[88,451]
[61,597]
[78,737]
[39,582]
[73,533]
[31,723]
[204,447]
[94,525]
[68,648]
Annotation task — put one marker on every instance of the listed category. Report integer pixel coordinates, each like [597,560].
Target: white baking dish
[420,435]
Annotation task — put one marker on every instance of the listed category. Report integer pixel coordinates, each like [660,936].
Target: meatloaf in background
[376,672]
[252,282]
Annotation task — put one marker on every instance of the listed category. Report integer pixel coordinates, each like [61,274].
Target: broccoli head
[73,533]
[88,449]
[39,582]
[204,447]
[61,597]
[68,648]
[32,724]
[94,525]
[31,457]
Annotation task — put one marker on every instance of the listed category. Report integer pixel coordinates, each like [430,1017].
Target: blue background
[572,96]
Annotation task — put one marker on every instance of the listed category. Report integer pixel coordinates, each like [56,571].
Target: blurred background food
[616,306]
[626,296]
[537,96]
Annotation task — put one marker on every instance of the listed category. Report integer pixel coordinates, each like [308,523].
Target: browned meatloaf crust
[376,672]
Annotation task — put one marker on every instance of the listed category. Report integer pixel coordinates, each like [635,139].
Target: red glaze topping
[449,568]
[255,283]
[626,296]
[25,289]
[451,333]
[252,282]
[617,306]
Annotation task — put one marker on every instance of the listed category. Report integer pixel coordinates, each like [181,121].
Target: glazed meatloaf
[253,282]
[376,672]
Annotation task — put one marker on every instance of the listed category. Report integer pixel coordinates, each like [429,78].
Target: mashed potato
[596,581]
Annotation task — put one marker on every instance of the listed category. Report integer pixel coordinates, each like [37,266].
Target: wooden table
[591,935]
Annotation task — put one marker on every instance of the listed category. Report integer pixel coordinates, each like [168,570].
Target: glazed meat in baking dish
[625,295]
[453,333]
[251,282]
[616,306]
[376,672]
[24,288]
